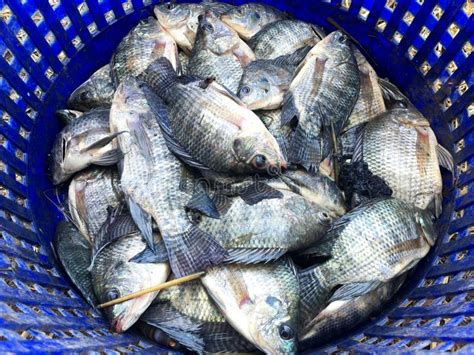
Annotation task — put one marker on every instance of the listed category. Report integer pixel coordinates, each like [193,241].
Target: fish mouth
[59,176]
[117,326]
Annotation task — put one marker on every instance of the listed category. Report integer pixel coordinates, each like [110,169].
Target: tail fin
[192,251]
[305,149]
[313,293]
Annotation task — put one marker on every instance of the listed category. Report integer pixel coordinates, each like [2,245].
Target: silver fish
[150,179]
[97,91]
[400,147]
[219,52]
[372,244]
[248,19]
[90,193]
[85,141]
[228,137]
[322,94]
[141,46]
[284,37]
[259,301]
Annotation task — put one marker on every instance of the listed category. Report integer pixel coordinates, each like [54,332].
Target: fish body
[141,46]
[114,275]
[271,119]
[370,102]
[150,179]
[219,53]
[187,314]
[184,61]
[321,96]
[259,301]
[213,126]
[85,141]
[97,91]
[282,38]
[90,194]
[400,147]
[374,243]
[248,19]
[272,227]
[74,253]
[342,315]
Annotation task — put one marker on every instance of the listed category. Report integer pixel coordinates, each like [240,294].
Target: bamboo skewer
[152,289]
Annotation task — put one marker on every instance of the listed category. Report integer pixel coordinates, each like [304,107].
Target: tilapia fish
[266,230]
[372,244]
[187,314]
[141,46]
[219,52]
[259,301]
[227,137]
[114,275]
[97,91]
[85,141]
[400,147]
[150,179]
[184,61]
[341,315]
[248,19]
[370,102]
[322,94]
[181,20]
[90,194]
[318,189]
[265,81]
[284,37]
[272,120]
[74,253]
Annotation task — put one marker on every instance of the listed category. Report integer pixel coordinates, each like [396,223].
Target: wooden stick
[152,289]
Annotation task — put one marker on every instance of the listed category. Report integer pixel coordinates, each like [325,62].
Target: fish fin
[305,149]
[293,59]
[358,153]
[259,191]
[137,131]
[143,222]
[192,251]
[318,31]
[185,330]
[147,256]
[313,293]
[445,159]
[350,291]
[173,145]
[201,202]
[253,256]
[222,202]
[391,93]
[102,142]
[289,111]
[111,157]
[436,205]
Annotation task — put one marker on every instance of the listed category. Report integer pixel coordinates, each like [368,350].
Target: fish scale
[405,158]
[281,38]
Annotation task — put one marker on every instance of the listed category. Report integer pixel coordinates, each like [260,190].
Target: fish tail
[289,111]
[305,149]
[313,293]
[192,251]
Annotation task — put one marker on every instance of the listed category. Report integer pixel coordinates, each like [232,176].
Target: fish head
[271,327]
[264,89]
[259,151]
[335,47]
[245,20]
[66,157]
[425,221]
[217,37]
[173,16]
[125,278]
[85,96]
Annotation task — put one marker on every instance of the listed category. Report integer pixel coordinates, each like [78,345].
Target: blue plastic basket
[47,48]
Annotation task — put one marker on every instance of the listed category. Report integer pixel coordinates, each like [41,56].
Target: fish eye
[245,90]
[259,161]
[207,27]
[341,38]
[86,95]
[240,11]
[112,294]
[286,332]
[325,216]
[257,15]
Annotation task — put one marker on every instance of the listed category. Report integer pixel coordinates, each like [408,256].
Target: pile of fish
[252,146]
